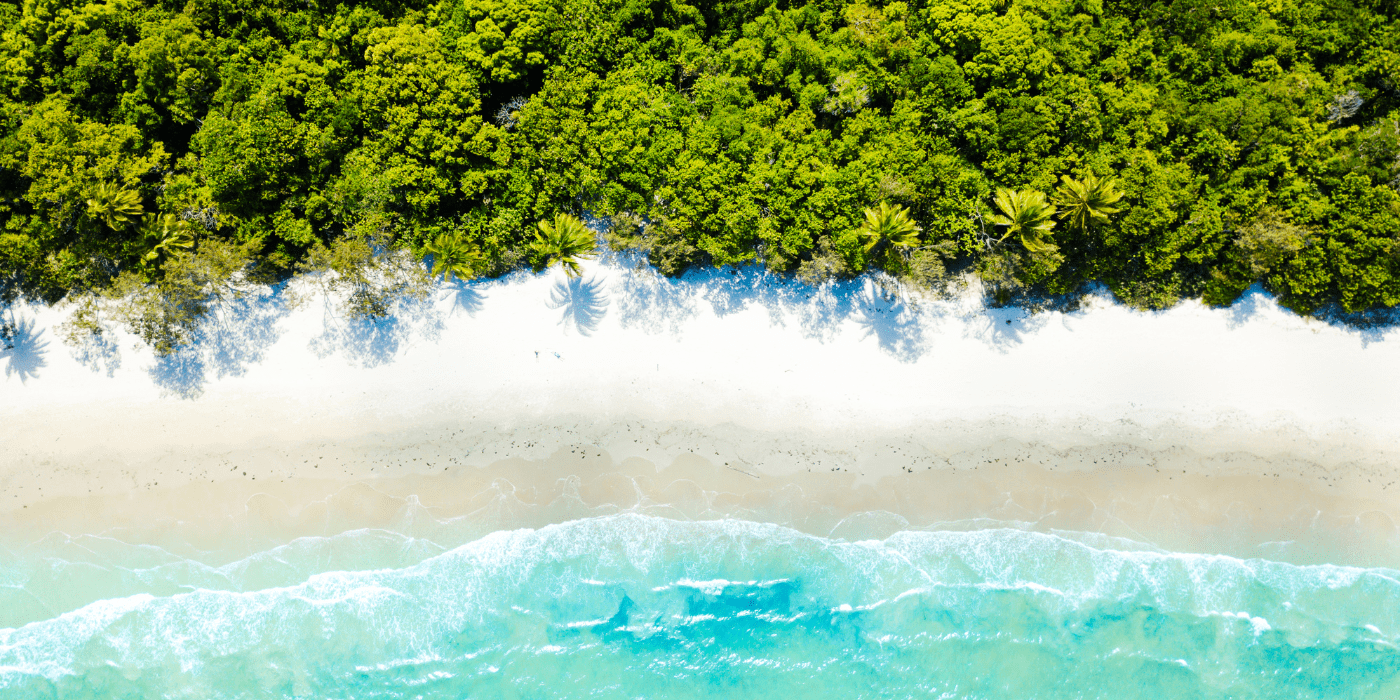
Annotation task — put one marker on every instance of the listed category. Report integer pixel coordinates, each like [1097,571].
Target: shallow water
[630,605]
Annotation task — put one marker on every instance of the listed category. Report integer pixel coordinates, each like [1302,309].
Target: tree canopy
[1199,147]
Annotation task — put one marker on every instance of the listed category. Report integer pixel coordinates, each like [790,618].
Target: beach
[553,350]
[1251,422]
[666,446]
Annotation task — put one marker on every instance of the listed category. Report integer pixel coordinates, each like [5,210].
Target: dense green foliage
[1250,141]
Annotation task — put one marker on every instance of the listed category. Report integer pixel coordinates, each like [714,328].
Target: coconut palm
[453,257]
[1088,201]
[163,235]
[115,206]
[564,240]
[1026,214]
[887,225]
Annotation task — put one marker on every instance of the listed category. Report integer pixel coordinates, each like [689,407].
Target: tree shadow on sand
[897,328]
[732,289]
[372,342]
[897,325]
[23,349]
[1254,302]
[657,303]
[1370,326]
[231,338]
[583,302]
[98,352]
[1004,328]
[653,302]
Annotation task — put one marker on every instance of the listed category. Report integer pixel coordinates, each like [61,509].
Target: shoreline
[1175,488]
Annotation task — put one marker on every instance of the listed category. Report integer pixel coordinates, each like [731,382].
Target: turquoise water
[635,606]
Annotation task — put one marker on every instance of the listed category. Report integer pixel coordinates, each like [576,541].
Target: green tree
[1027,215]
[502,38]
[885,227]
[366,277]
[564,240]
[1088,201]
[454,257]
[163,235]
[732,133]
[1269,240]
[167,313]
[114,206]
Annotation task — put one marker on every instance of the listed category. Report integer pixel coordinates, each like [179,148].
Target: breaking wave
[632,605]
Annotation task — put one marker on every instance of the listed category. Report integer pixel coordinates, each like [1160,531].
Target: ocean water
[637,606]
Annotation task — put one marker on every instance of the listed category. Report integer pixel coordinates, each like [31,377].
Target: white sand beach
[1249,429]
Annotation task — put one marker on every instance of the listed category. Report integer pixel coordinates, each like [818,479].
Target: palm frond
[565,241]
[453,257]
[162,235]
[888,225]
[1026,215]
[1089,201]
[114,206]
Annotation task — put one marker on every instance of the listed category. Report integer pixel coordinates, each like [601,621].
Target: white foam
[1258,624]
[658,562]
[712,587]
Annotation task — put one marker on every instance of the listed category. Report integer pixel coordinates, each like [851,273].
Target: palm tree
[1088,201]
[563,240]
[164,234]
[887,225]
[1026,214]
[114,205]
[453,257]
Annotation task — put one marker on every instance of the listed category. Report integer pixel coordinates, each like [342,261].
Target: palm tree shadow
[24,350]
[1006,328]
[462,295]
[583,302]
[892,323]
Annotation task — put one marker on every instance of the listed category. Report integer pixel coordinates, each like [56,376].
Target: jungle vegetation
[173,151]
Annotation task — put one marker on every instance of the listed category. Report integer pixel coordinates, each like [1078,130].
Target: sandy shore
[1246,431]
[1278,494]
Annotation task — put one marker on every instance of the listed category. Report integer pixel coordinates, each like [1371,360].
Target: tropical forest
[156,157]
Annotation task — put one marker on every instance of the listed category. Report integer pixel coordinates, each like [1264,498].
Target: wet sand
[1280,493]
